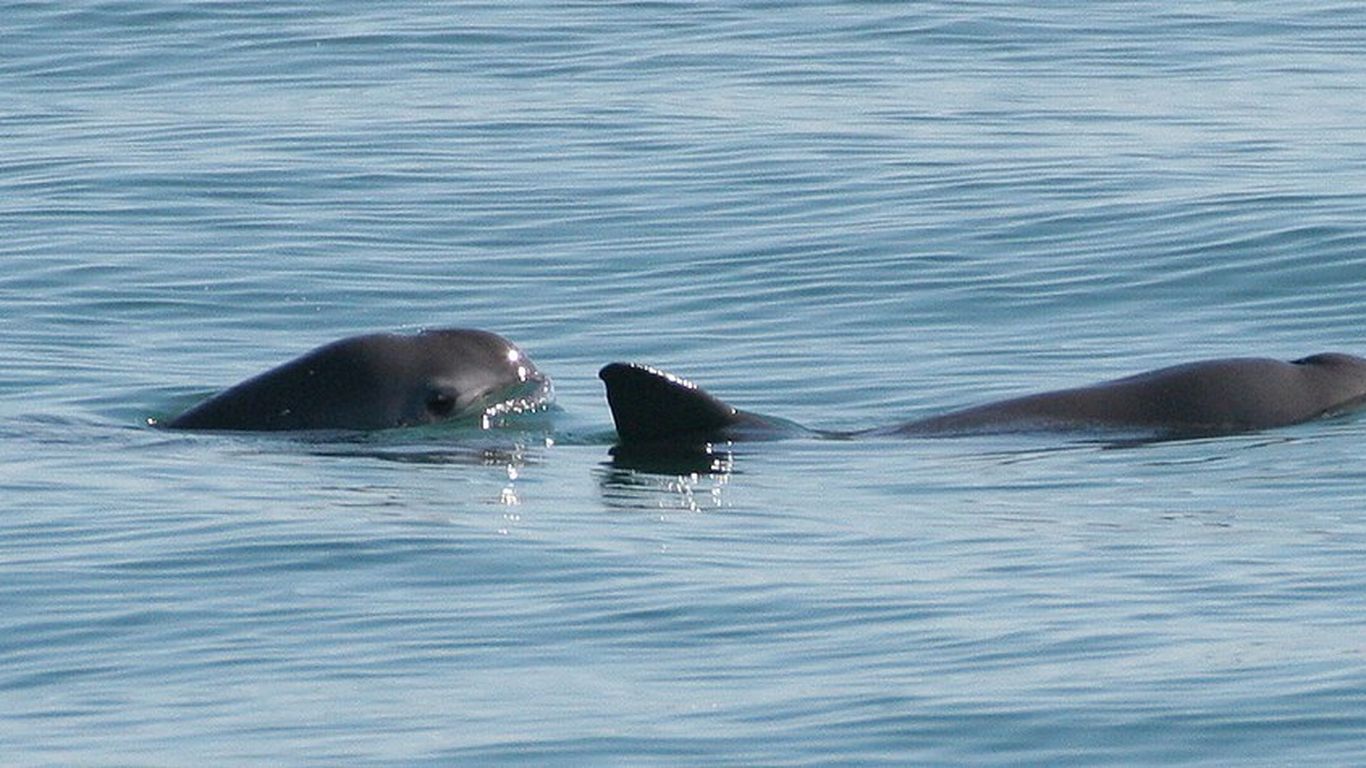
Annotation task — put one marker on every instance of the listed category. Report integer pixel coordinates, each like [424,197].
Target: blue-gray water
[847,214]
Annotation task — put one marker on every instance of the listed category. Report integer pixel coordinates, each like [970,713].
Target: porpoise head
[380,381]
[470,373]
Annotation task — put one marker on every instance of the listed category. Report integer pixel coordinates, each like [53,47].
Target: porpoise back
[1207,397]
[652,406]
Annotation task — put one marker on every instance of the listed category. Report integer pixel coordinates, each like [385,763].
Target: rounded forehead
[471,341]
[474,352]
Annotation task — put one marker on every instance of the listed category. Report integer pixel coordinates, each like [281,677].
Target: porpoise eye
[440,404]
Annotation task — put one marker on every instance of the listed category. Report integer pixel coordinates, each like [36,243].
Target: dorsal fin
[649,405]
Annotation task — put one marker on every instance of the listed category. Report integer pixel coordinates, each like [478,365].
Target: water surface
[849,214]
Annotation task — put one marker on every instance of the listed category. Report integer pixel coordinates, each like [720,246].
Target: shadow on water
[689,478]
[704,459]
[511,455]
[512,445]
[696,476]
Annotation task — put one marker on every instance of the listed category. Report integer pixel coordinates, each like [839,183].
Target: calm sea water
[848,214]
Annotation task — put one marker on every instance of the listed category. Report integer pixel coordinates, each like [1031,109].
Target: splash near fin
[649,405]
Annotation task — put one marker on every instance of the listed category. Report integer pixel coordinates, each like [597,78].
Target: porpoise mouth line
[534,396]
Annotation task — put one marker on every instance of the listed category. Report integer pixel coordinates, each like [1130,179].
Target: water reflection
[706,458]
[514,457]
[693,479]
[510,461]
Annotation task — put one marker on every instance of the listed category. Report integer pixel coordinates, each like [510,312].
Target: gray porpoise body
[1208,397]
[379,381]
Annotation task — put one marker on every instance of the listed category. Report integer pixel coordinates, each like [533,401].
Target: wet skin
[1208,397]
[380,381]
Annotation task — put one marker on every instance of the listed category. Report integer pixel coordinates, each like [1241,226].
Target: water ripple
[849,214]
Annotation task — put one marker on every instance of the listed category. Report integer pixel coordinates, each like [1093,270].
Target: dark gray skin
[380,381]
[1211,397]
